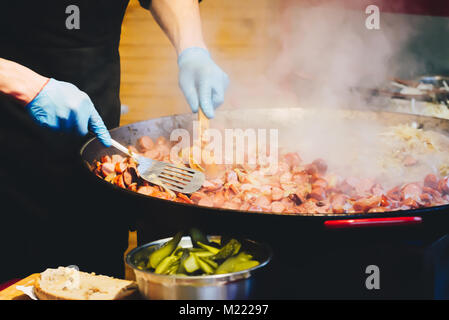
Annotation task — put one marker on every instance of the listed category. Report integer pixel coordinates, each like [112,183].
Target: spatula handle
[121,147]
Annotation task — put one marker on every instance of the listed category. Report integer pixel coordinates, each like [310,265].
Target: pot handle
[371,222]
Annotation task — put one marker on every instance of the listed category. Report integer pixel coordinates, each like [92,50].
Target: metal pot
[230,286]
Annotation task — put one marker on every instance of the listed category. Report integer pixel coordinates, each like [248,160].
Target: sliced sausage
[105,158]
[338,203]
[277,207]
[120,167]
[263,202]
[411,191]
[146,190]
[431,181]
[107,168]
[144,143]
[319,183]
[277,193]
[318,193]
[365,204]
[292,159]
[321,165]
[152,154]
[443,185]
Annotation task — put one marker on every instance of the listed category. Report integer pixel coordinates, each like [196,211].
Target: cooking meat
[145,143]
[296,187]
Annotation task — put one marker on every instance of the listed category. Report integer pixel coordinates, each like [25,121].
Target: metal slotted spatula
[180,179]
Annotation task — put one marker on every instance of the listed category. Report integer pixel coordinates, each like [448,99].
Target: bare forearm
[19,82]
[181,22]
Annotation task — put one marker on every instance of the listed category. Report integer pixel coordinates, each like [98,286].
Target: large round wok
[162,215]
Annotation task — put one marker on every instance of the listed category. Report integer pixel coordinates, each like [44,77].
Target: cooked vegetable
[157,256]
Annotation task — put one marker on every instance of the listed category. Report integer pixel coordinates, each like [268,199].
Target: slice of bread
[71,284]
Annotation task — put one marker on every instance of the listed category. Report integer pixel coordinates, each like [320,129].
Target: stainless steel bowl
[230,286]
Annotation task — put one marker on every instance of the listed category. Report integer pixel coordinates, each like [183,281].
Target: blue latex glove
[201,80]
[62,106]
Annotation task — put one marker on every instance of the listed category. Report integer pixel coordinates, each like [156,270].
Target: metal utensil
[180,179]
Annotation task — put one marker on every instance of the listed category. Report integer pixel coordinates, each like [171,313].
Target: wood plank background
[235,31]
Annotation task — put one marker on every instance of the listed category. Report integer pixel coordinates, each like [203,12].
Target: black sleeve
[146,3]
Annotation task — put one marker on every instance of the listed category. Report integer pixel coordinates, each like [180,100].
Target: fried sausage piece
[262,202]
[145,143]
[130,176]
[377,209]
[365,204]
[431,181]
[277,193]
[338,203]
[292,159]
[319,183]
[107,168]
[443,185]
[394,194]
[106,158]
[120,167]
[321,165]
[206,201]
[411,191]
[152,154]
[146,190]
[277,207]
[318,193]
[118,180]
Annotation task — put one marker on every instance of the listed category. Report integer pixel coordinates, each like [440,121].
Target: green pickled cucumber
[167,249]
[208,247]
[197,236]
[207,268]
[184,256]
[245,265]
[165,265]
[229,249]
[229,265]
[191,264]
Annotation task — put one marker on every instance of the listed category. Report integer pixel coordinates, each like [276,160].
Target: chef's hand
[201,80]
[62,106]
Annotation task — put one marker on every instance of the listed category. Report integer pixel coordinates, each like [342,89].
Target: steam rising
[321,57]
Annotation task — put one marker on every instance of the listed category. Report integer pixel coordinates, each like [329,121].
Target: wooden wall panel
[236,33]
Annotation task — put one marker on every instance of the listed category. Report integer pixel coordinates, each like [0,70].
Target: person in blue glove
[59,81]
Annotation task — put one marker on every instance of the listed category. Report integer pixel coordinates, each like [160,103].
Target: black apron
[51,214]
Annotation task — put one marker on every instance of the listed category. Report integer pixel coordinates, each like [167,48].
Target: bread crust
[127,292]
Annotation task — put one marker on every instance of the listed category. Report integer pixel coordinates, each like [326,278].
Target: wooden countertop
[11,293]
